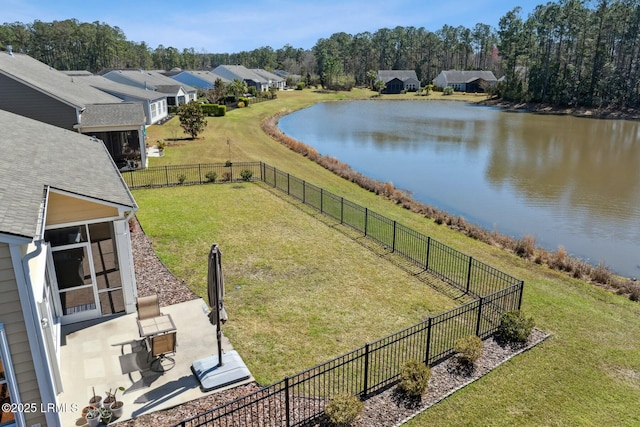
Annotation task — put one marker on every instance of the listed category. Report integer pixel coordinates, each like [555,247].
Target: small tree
[192,119]
[379,86]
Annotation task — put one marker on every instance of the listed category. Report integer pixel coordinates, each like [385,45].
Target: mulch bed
[387,408]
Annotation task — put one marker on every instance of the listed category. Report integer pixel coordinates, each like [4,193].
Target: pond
[567,181]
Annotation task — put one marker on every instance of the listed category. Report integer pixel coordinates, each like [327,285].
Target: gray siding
[21,99]
[11,316]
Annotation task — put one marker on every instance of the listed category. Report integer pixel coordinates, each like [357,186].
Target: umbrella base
[212,376]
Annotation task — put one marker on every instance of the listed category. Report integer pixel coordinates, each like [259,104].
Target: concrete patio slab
[110,354]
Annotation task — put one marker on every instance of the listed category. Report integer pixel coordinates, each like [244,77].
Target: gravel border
[387,408]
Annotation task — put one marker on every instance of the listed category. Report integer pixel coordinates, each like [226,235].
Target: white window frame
[10,378]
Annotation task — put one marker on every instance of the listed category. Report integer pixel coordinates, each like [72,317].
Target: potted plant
[93,417]
[117,407]
[95,399]
[105,415]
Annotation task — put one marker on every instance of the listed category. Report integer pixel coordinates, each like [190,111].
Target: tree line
[568,52]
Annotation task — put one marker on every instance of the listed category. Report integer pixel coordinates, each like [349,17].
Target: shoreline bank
[585,112]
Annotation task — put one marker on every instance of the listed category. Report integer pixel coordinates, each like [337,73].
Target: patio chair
[148,307]
[159,348]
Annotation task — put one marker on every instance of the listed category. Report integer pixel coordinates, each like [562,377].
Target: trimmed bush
[469,349]
[515,327]
[246,174]
[344,409]
[182,178]
[211,176]
[414,378]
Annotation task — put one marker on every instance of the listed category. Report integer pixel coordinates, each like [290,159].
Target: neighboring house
[177,93]
[65,255]
[204,80]
[239,72]
[397,81]
[465,81]
[155,103]
[33,89]
[273,80]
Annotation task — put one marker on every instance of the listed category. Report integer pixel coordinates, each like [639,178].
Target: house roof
[54,83]
[152,80]
[403,75]
[124,114]
[267,75]
[37,155]
[119,89]
[207,76]
[456,76]
[240,72]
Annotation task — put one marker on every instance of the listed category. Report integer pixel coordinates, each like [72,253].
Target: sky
[228,27]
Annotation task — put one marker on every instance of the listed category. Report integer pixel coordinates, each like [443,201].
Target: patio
[109,354]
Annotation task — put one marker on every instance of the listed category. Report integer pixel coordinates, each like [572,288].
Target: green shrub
[469,349]
[447,90]
[182,178]
[344,409]
[211,176]
[246,174]
[515,327]
[209,109]
[300,85]
[221,111]
[414,378]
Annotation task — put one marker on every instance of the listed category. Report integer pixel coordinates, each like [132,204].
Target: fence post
[426,356]
[426,264]
[286,401]
[469,274]
[393,242]
[288,184]
[366,219]
[520,296]
[479,318]
[321,200]
[341,210]
[304,192]
[199,174]
[366,371]
[166,175]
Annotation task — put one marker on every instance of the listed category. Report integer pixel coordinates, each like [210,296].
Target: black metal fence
[300,399]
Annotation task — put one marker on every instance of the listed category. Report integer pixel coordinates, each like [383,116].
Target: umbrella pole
[218,283]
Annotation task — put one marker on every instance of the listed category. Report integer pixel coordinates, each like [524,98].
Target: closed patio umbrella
[210,370]
[215,291]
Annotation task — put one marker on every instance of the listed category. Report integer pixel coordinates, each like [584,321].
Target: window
[8,390]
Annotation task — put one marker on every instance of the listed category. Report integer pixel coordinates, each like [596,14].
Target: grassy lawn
[294,283]
[298,291]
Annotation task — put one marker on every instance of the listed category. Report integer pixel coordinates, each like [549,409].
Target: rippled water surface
[567,181]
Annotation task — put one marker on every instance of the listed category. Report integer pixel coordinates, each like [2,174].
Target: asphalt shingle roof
[117,115]
[35,155]
[150,79]
[39,75]
[388,75]
[114,88]
[457,76]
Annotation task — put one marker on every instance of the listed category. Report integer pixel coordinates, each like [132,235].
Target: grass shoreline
[588,373]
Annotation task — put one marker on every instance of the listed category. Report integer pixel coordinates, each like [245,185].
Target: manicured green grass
[588,373]
[298,291]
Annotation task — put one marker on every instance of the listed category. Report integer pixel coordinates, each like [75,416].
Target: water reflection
[569,181]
